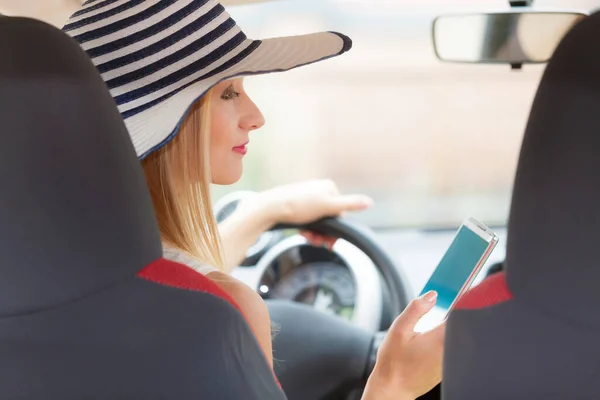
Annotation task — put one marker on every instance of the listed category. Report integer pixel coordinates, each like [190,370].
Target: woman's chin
[226,179]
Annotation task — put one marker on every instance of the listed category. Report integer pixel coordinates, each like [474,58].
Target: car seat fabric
[532,331]
[88,307]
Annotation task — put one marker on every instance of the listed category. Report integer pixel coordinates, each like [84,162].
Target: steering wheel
[322,356]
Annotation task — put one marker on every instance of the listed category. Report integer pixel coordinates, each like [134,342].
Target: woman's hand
[305,202]
[297,203]
[319,240]
[409,364]
[309,201]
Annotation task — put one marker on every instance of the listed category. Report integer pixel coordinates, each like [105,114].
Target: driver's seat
[88,308]
[533,331]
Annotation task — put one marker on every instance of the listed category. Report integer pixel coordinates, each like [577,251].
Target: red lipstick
[241,149]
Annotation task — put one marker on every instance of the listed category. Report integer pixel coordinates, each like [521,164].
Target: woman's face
[233,116]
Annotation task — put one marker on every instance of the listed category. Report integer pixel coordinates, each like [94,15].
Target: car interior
[525,330]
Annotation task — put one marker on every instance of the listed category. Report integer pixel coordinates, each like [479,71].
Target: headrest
[75,213]
[552,260]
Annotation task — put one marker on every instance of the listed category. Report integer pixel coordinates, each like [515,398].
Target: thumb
[353,202]
[406,322]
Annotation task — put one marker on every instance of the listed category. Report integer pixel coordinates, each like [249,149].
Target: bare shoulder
[253,307]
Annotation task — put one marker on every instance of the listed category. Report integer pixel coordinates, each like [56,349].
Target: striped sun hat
[159,56]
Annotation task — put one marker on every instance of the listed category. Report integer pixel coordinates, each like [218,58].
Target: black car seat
[88,308]
[533,331]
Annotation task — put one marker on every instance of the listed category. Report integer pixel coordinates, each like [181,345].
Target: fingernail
[367,201]
[430,296]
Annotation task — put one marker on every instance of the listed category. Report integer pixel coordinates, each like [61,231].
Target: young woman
[175,70]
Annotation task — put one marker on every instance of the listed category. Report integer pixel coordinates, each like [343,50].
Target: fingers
[310,236]
[329,186]
[341,203]
[437,334]
[355,202]
[329,242]
[319,240]
[405,323]
[435,339]
[326,241]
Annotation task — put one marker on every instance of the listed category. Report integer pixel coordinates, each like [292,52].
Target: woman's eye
[230,94]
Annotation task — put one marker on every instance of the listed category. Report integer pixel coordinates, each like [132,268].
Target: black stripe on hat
[187,51]
[124,23]
[239,57]
[183,73]
[103,15]
[154,30]
[92,8]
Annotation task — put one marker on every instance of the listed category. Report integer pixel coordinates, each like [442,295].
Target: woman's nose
[253,118]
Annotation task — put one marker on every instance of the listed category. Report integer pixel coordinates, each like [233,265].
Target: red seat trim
[169,273]
[492,291]
[179,276]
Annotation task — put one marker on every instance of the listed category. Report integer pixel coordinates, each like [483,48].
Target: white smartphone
[454,275]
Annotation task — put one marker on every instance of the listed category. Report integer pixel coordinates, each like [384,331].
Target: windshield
[431,142]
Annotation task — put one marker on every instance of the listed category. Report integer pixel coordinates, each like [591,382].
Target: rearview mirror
[507,37]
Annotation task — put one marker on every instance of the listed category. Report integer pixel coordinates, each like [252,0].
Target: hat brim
[156,126]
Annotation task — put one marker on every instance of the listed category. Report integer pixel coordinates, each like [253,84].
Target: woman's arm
[243,228]
[296,203]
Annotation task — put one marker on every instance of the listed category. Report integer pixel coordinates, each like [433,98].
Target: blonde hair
[179,178]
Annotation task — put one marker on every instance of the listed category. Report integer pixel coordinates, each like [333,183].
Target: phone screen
[464,255]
